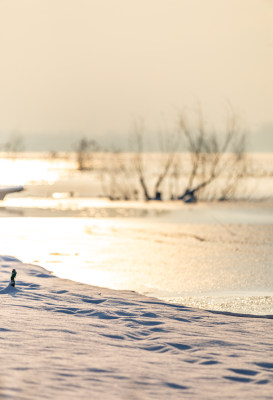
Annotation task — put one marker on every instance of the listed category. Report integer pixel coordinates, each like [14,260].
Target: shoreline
[236,211]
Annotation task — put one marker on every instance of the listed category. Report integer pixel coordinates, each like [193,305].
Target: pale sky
[70,68]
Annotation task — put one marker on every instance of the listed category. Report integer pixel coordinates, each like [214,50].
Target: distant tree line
[210,159]
[13,145]
[193,161]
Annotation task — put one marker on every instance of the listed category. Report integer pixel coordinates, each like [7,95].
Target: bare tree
[118,177]
[211,157]
[168,150]
[138,159]
[174,177]
[14,145]
[84,148]
[129,174]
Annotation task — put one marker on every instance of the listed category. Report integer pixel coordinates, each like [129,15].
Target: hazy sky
[90,67]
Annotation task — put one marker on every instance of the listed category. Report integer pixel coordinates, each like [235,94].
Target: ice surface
[226,267]
[215,256]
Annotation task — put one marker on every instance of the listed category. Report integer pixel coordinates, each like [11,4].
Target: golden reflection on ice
[68,247]
[162,260]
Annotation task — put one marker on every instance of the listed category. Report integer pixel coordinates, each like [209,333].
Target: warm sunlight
[136,199]
[20,172]
[89,68]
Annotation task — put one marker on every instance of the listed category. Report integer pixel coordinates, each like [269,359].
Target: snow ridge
[63,340]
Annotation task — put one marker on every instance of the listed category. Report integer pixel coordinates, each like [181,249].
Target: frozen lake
[215,255]
[208,262]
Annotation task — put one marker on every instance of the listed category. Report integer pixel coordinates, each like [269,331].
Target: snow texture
[65,340]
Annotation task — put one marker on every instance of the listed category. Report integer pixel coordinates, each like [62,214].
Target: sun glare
[21,172]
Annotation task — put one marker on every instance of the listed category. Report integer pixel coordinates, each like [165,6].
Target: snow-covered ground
[66,340]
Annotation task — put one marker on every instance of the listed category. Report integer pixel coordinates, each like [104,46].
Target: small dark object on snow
[158,196]
[12,278]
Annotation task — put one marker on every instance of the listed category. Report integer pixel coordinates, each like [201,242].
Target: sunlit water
[214,256]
